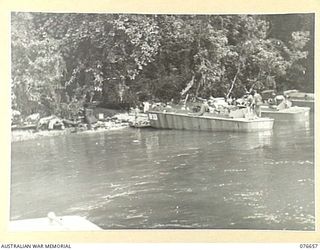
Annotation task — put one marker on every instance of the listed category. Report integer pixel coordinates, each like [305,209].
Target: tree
[103,52]
[124,58]
[37,66]
[301,73]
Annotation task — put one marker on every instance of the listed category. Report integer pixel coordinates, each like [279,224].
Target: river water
[161,179]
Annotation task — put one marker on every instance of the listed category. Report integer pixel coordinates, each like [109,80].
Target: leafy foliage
[37,66]
[59,59]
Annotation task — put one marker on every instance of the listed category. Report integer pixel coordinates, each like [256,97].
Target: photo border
[143,7]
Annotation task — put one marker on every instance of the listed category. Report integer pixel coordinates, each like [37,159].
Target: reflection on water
[170,179]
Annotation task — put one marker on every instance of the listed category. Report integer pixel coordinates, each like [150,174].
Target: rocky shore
[116,122]
[23,135]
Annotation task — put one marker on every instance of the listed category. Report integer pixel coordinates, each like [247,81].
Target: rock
[43,122]
[55,123]
[50,122]
[122,117]
[91,119]
[15,113]
[101,116]
[33,118]
[16,117]
[70,123]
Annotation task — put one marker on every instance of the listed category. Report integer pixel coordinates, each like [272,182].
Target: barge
[303,103]
[301,99]
[288,114]
[207,122]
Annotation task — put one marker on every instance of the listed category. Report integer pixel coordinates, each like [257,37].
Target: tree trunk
[233,81]
[199,85]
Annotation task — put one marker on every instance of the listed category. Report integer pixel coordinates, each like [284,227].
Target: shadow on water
[147,178]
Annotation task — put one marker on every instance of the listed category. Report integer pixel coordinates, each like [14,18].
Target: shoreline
[25,135]
[118,121]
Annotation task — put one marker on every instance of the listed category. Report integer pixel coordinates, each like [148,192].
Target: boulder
[50,122]
[33,118]
[55,123]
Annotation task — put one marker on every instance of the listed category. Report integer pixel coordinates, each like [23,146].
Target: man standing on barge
[257,102]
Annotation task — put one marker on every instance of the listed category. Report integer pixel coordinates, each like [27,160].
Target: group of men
[253,103]
[279,102]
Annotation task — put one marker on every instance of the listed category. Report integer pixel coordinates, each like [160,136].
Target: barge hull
[168,120]
[299,114]
[304,103]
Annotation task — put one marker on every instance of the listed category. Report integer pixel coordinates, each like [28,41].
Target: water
[156,179]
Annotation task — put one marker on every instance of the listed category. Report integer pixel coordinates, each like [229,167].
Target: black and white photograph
[162,121]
